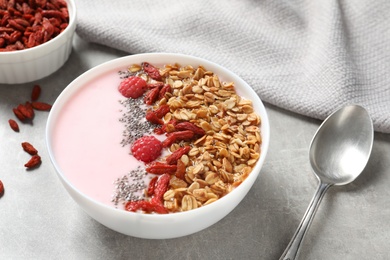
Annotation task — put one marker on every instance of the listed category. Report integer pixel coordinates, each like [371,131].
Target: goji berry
[155,85]
[162,111]
[151,186]
[30,108]
[190,126]
[152,71]
[161,168]
[25,26]
[19,114]
[151,116]
[41,106]
[146,206]
[29,148]
[164,90]
[166,128]
[13,125]
[176,155]
[35,93]
[33,162]
[160,188]
[1,188]
[174,137]
[26,112]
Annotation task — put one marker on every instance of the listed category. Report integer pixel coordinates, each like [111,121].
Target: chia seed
[133,118]
[130,187]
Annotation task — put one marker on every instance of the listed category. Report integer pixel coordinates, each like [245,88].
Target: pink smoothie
[87,139]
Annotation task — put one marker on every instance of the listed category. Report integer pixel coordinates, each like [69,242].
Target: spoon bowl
[339,152]
[341,147]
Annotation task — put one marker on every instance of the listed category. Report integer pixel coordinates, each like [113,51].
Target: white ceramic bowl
[155,226]
[31,64]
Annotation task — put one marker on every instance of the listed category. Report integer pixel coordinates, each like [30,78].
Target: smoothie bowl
[158,145]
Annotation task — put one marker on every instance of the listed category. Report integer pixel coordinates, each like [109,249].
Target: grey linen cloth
[310,57]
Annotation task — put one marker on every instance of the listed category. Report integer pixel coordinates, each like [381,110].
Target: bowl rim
[72,87]
[52,42]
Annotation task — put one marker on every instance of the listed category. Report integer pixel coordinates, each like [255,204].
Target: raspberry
[146,149]
[132,87]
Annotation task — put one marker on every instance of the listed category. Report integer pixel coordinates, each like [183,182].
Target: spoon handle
[293,247]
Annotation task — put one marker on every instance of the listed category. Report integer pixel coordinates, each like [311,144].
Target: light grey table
[38,220]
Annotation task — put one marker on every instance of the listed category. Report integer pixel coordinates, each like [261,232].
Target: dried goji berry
[41,106]
[151,116]
[33,162]
[35,93]
[151,186]
[158,85]
[160,188]
[26,112]
[162,111]
[19,114]
[1,188]
[24,23]
[161,168]
[30,108]
[190,126]
[13,125]
[29,148]
[177,136]
[152,71]
[146,206]
[167,128]
[176,155]
[164,90]
[151,96]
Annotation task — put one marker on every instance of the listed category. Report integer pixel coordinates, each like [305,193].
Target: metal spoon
[339,152]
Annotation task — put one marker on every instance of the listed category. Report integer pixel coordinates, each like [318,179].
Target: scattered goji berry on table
[41,106]
[33,162]
[1,188]
[29,148]
[14,125]
[19,114]
[35,93]
[26,110]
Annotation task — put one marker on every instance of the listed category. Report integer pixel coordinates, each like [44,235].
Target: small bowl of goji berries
[35,38]
[158,145]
